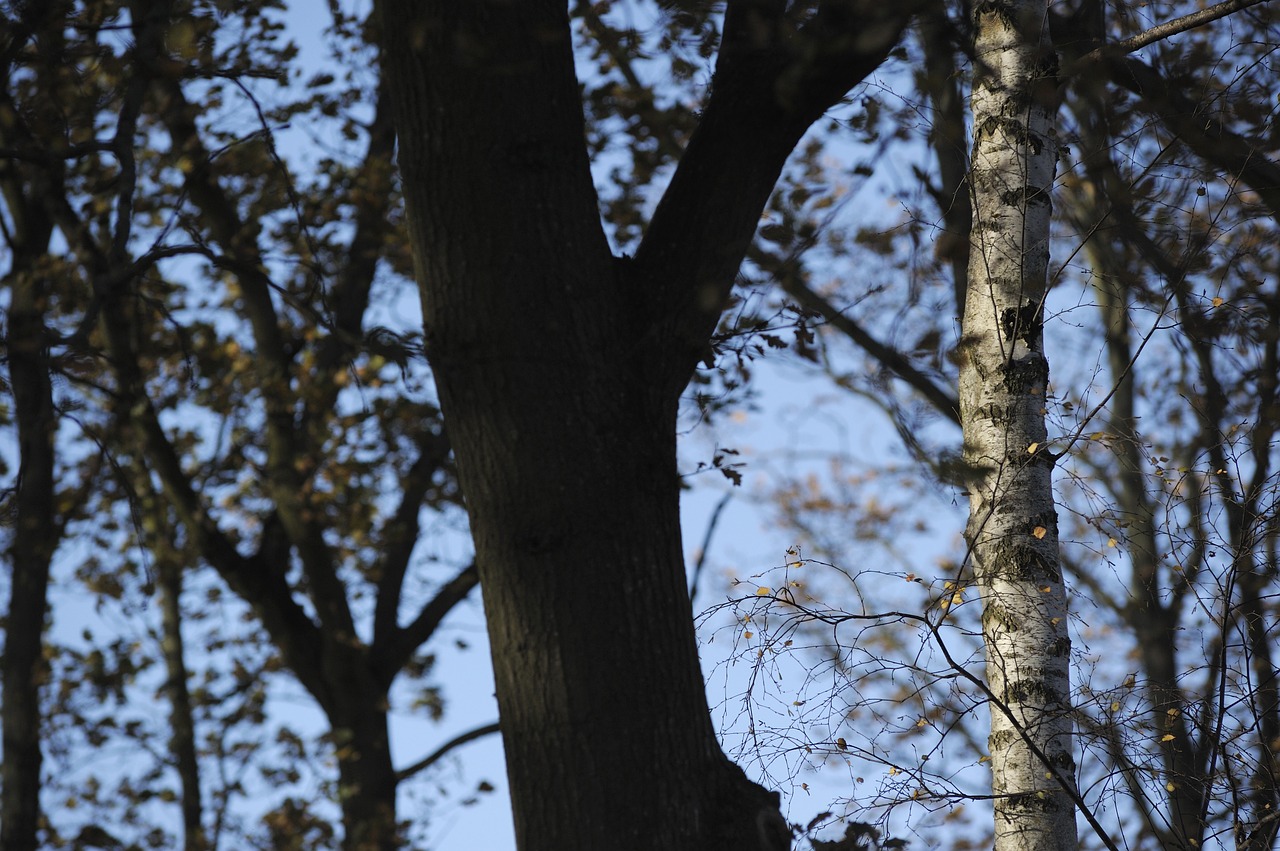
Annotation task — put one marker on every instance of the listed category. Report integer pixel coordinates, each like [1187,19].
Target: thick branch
[32,544]
[769,86]
[349,296]
[949,141]
[1209,138]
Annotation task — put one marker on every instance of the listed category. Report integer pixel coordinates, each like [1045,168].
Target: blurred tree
[212,324]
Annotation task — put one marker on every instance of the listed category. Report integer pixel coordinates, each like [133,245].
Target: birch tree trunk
[1012,529]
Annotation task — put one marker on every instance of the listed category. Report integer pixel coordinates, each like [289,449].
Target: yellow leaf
[1115,706]
[920,722]
[1111,542]
[1031,450]
[747,634]
[1170,787]
[1167,737]
[1217,301]
[764,591]
[983,759]
[1045,589]
[1039,532]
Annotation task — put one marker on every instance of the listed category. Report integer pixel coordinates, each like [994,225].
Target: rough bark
[559,369]
[1012,531]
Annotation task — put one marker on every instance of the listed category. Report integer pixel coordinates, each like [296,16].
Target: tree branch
[888,357]
[772,81]
[706,545]
[400,534]
[1156,33]
[285,448]
[443,751]
[409,639]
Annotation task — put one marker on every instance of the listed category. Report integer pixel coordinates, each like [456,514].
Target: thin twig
[440,752]
[706,545]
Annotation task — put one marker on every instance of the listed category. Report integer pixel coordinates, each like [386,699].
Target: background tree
[214,308]
[1168,264]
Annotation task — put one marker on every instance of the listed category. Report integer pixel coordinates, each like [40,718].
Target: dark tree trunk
[560,369]
[366,781]
[182,742]
[34,539]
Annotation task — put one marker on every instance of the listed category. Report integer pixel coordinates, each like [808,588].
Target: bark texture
[560,368]
[1013,530]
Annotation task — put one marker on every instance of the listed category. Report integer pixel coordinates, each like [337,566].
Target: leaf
[764,591]
[776,233]
[1031,450]
[1039,532]
[1218,301]
[817,820]
[842,744]
[1168,737]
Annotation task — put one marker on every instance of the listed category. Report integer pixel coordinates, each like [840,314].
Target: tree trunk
[562,412]
[182,742]
[366,781]
[31,550]
[1012,529]
[560,370]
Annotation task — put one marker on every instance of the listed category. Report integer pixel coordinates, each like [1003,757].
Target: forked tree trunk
[560,369]
[562,416]
[1013,529]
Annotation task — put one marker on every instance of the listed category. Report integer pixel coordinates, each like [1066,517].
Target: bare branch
[890,358]
[706,544]
[425,624]
[1157,33]
[443,751]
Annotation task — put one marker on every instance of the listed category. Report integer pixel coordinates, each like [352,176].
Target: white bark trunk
[1013,526]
